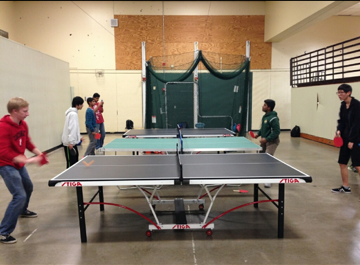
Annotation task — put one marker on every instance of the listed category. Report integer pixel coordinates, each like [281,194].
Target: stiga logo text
[181,227]
[71,184]
[289,181]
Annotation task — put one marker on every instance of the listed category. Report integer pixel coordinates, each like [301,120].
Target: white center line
[30,235]
[192,240]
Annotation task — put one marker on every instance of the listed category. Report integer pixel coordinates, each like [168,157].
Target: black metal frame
[338,63]
[81,208]
[280,205]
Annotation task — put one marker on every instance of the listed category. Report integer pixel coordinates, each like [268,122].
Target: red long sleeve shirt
[14,139]
[98,115]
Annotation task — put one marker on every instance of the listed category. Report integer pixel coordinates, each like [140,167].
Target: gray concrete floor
[320,227]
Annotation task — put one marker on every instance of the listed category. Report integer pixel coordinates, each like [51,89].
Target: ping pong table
[203,144]
[181,170]
[173,133]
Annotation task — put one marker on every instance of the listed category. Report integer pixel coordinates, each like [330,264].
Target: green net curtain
[223,90]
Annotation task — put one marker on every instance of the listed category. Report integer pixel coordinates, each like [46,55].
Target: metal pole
[143,76]
[196,87]
[247,88]
[248,49]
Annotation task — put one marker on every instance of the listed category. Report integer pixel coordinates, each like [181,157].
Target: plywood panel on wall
[218,34]
[132,30]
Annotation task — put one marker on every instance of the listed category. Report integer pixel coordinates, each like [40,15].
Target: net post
[180,139]
[178,130]
[180,164]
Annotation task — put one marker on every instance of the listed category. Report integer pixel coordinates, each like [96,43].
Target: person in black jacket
[349,129]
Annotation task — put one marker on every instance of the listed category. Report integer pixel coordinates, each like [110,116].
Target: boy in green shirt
[269,131]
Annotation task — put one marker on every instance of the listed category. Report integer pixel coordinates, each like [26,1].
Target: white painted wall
[6,16]
[325,33]
[44,82]
[318,120]
[330,31]
[286,18]
[77,32]
[121,92]
[189,8]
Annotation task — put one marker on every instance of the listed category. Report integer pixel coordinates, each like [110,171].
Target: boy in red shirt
[99,109]
[14,139]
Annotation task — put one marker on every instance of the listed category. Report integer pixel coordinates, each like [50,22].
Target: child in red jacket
[14,139]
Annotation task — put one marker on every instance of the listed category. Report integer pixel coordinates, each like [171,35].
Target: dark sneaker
[28,214]
[7,239]
[342,189]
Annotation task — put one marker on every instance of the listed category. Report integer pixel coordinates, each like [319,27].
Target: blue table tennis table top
[202,144]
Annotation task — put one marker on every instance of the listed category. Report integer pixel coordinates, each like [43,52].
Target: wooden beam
[317,139]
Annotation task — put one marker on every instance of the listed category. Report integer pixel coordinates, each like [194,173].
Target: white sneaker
[267,185]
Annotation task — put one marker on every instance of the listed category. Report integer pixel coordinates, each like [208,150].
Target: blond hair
[16,104]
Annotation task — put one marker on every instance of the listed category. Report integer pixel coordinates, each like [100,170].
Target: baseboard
[317,139]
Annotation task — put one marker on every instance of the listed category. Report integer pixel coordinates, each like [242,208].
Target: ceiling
[351,11]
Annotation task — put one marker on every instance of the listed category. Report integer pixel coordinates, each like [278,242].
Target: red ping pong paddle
[44,159]
[252,134]
[241,191]
[97,136]
[338,141]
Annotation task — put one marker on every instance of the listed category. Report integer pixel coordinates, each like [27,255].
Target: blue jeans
[20,186]
[101,130]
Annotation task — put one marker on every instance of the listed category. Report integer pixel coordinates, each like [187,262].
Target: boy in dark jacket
[349,129]
[270,130]
[90,122]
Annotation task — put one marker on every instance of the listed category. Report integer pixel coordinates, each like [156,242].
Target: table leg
[256,195]
[101,198]
[281,210]
[81,212]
